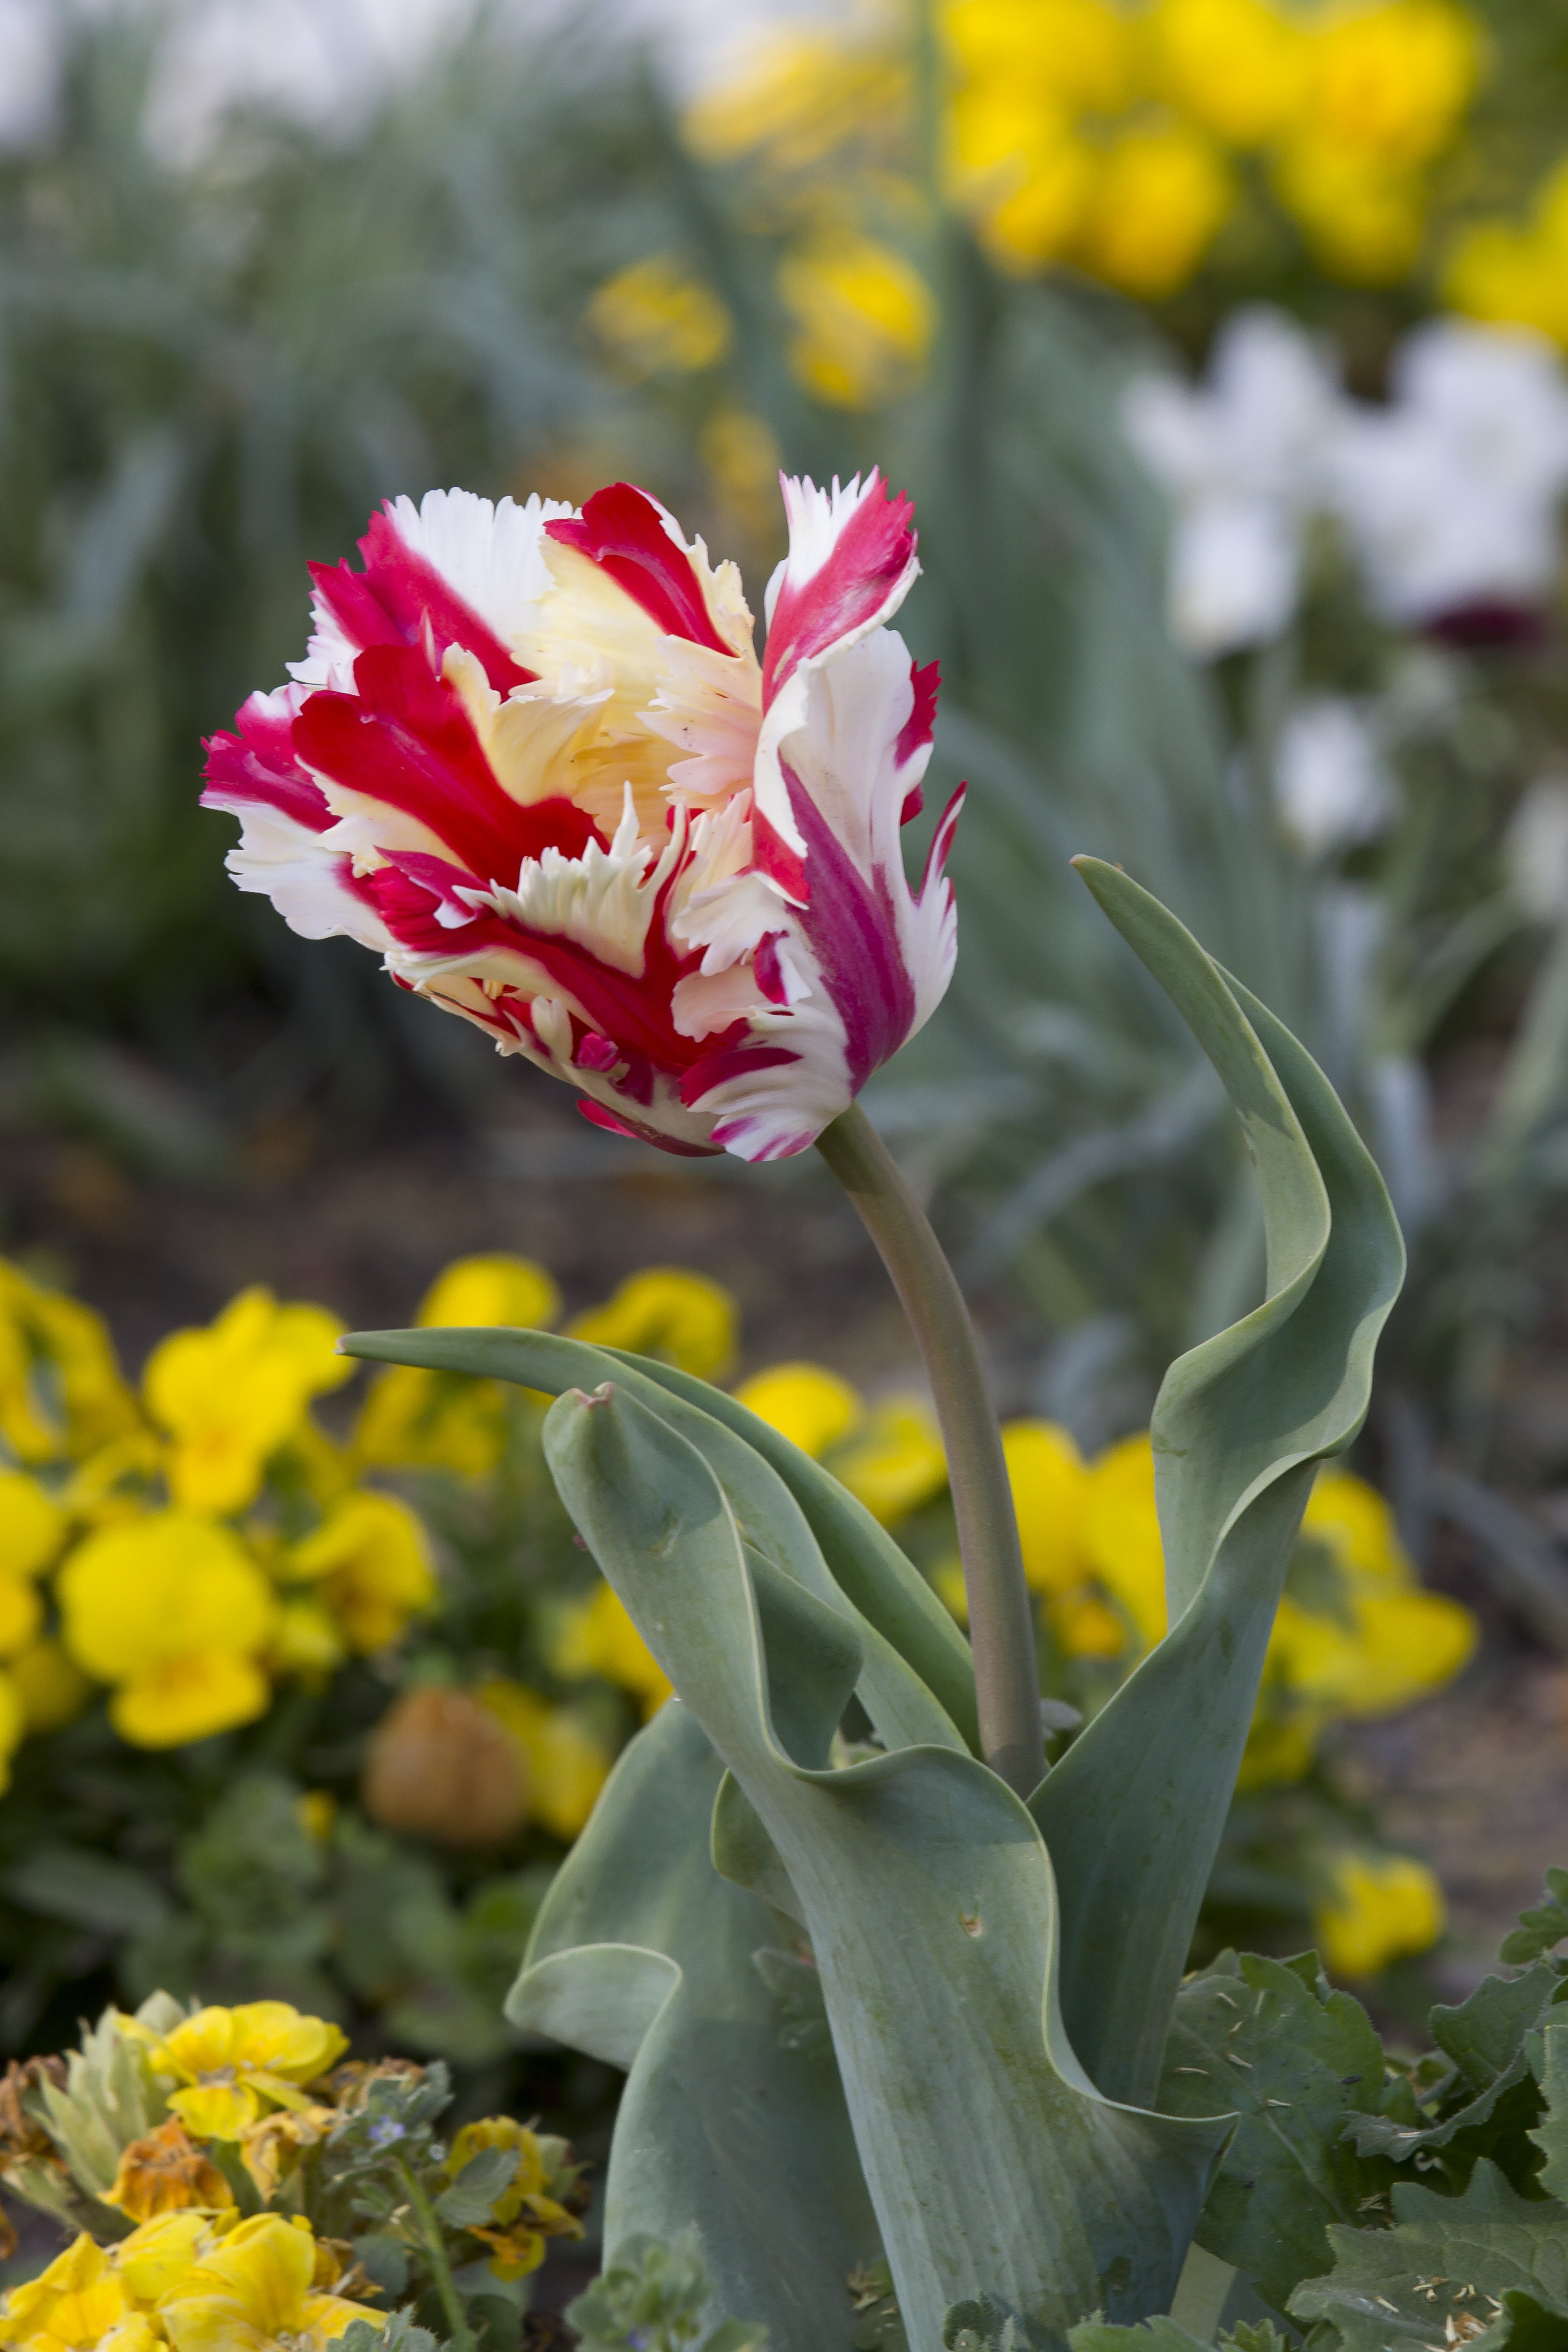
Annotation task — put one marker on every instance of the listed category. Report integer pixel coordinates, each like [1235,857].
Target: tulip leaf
[1133,1812]
[1272,2040]
[994,2164]
[901,1615]
[732,2121]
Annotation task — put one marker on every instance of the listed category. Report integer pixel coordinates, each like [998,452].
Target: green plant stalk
[440,2268]
[1001,1625]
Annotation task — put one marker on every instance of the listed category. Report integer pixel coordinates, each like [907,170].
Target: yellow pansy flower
[305,1640]
[442,1420]
[21,1614]
[1377,1908]
[158,2256]
[1517,274]
[810,1406]
[1161,195]
[1398,1647]
[1041,217]
[863,319]
[235,2064]
[61,1387]
[1392,80]
[192,1697]
[567,1765]
[33,1528]
[1083,1626]
[1049,1487]
[526,2216]
[229,1395]
[72,2307]
[51,1686]
[369,1563]
[1363,222]
[895,1462]
[598,1637]
[170,1609]
[1353,1518]
[658,319]
[1236,67]
[13,1726]
[1080,52]
[681,1318]
[254,2292]
[1122,1534]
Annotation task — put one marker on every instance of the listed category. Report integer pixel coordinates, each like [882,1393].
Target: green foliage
[1541,1929]
[1488,2254]
[1550,2065]
[397,2333]
[653,2297]
[1294,2059]
[1487,2092]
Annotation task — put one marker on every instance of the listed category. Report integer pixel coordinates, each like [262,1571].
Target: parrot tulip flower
[531,757]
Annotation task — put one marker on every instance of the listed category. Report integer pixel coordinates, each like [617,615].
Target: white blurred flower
[1242,460]
[1535,850]
[1330,783]
[1449,494]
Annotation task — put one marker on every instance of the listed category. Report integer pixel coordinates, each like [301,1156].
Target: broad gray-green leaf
[1133,1812]
[917,1683]
[1540,1928]
[1290,2058]
[1449,2262]
[730,2122]
[994,2164]
[1551,2135]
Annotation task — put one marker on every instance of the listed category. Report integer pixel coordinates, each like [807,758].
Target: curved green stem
[1001,1625]
[425,2215]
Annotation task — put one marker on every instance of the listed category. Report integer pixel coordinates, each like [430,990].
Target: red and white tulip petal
[606,901]
[709,705]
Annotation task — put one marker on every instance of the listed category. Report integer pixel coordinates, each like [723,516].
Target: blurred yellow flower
[597,1637]
[1083,1626]
[13,1725]
[682,1318]
[1160,199]
[895,1461]
[305,1640]
[1122,1534]
[1390,80]
[1018,160]
[1363,223]
[810,1405]
[61,1387]
[1280,1744]
[658,319]
[1236,68]
[156,2257]
[744,460]
[477,1292]
[1377,1908]
[255,2292]
[32,1525]
[233,2064]
[170,1609]
[50,1686]
[369,1563]
[442,1420]
[863,319]
[229,1395]
[567,1766]
[1513,274]
[317,1811]
[1398,1647]
[1049,1488]
[1357,1523]
[1082,53]
[21,1614]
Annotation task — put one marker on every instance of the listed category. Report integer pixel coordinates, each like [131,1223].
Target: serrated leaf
[473,2195]
[1133,1813]
[929,1899]
[1448,2264]
[1491,2100]
[1551,2135]
[1539,1930]
[1157,2334]
[1292,2058]
[643,1956]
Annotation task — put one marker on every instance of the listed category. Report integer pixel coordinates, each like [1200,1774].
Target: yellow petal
[21,1614]
[598,1637]
[157,1588]
[810,1406]
[52,1688]
[1121,1533]
[216,2110]
[1049,1487]
[567,1764]
[33,1526]
[481,1291]
[371,1562]
[1378,1908]
[177,1700]
[664,1311]
[895,1462]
